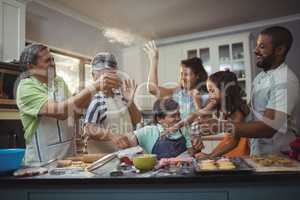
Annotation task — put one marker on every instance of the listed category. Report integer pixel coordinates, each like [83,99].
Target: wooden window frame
[83,60]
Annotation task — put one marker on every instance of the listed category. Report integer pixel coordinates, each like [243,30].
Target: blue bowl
[11,159]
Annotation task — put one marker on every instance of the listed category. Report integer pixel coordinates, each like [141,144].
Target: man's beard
[266,62]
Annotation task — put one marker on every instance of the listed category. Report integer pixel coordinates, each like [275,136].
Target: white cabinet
[169,65]
[135,65]
[230,52]
[12,29]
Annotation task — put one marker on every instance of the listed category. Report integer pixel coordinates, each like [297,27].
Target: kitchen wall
[58,30]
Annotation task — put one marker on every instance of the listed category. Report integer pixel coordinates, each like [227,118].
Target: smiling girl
[223,89]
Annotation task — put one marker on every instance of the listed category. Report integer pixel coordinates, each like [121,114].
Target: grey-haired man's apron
[53,138]
[118,120]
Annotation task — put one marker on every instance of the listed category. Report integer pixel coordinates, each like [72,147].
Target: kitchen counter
[256,185]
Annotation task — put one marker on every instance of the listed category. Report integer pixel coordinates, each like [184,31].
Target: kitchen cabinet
[12,29]
[134,65]
[11,134]
[258,186]
[145,195]
[229,52]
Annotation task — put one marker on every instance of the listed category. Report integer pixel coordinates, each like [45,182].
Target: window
[87,74]
[192,53]
[205,57]
[71,68]
[67,67]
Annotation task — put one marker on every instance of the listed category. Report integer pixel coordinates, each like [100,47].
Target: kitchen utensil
[30,171]
[102,161]
[10,159]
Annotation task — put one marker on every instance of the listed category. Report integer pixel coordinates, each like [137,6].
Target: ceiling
[164,18]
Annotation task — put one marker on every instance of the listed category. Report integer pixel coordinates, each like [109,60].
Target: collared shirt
[148,135]
[46,137]
[276,89]
[31,96]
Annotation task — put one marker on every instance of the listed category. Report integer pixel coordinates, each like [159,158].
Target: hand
[128,90]
[201,155]
[173,128]
[197,144]
[194,93]
[107,81]
[207,111]
[212,103]
[152,51]
[120,141]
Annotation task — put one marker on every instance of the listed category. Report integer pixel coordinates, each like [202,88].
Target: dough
[90,158]
[64,163]
[75,158]
[32,171]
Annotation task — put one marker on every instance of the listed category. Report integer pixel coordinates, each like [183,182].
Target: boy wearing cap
[111,112]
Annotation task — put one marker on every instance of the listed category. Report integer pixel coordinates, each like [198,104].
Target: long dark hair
[195,64]
[227,83]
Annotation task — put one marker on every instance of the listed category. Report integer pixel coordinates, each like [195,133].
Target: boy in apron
[152,138]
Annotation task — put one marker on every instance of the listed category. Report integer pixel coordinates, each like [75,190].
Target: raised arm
[128,91]
[152,85]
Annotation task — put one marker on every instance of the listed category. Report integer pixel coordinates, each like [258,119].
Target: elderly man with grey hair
[112,112]
[45,106]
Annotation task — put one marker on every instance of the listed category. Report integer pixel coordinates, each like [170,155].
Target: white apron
[118,120]
[53,138]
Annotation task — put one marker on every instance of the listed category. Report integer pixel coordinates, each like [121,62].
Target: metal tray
[241,167]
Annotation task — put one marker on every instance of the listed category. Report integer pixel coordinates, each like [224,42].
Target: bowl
[11,159]
[144,162]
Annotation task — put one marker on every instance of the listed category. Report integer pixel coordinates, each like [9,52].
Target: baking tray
[241,167]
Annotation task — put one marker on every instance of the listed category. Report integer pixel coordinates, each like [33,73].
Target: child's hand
[121,141]
[201,155]
[212,102]
[172,129]
[197,144]
[194,93]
